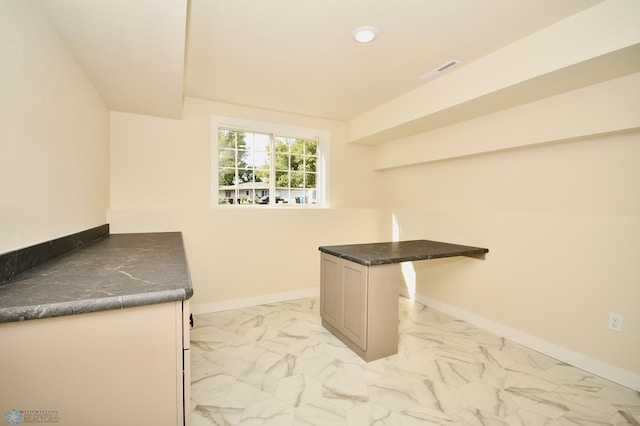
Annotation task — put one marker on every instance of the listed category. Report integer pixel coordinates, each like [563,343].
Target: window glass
[253,165]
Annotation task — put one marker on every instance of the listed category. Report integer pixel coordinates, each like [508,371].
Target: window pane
[310,180]
[282,179]
[282,161]
[296,146]
[257,149]
[310,164]
[243,166]
[245,175]
[226,176]
[313,196]
[297,162]
[229,138]
[226,157]
[282,195]
[311,147]
[297,179]
[283,143]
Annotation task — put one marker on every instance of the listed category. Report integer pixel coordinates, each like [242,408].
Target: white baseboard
[599,368]
[204,308]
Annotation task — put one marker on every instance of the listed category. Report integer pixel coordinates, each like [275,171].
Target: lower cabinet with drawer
[359,305]
[109,368]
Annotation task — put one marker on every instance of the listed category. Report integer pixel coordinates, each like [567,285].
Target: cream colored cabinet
[186,365]
[344,298]
[116,367]
[330,289]
[359,305]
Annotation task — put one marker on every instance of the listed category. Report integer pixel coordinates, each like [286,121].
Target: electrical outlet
[615,322]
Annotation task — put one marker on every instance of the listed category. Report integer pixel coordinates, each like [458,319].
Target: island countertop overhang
[370,254]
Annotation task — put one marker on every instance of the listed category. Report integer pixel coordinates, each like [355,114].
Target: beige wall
[559,213]
[160,180]
[53,135]
[561,220]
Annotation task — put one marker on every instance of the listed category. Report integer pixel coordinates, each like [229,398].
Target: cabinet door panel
[355,303]
[330,301]
[101,368]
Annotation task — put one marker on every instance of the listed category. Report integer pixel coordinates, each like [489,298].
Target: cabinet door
[354,296]
[101,368]
[330,292]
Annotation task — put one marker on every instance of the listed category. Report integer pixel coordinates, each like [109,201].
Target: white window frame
[323,137]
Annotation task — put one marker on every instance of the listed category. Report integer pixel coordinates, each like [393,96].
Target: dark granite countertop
[119,271]
[400,251]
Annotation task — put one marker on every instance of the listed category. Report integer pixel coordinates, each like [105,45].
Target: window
[261,164]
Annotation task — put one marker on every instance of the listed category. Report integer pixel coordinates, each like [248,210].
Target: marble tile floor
[276,365]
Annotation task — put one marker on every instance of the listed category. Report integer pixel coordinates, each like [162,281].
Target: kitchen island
[359,289]
[99,335]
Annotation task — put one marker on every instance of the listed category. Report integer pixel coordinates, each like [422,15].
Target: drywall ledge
[597,44]
[608,107]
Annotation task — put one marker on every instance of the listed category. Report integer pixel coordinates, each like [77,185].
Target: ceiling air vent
[438,70]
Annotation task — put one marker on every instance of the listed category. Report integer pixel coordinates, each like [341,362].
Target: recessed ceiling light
[365,34]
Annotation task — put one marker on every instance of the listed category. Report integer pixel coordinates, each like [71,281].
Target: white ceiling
[295,56]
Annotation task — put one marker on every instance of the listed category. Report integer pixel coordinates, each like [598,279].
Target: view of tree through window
[252,166]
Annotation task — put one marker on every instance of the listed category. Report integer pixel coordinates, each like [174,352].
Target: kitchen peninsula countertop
[116,272]
[400,251]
